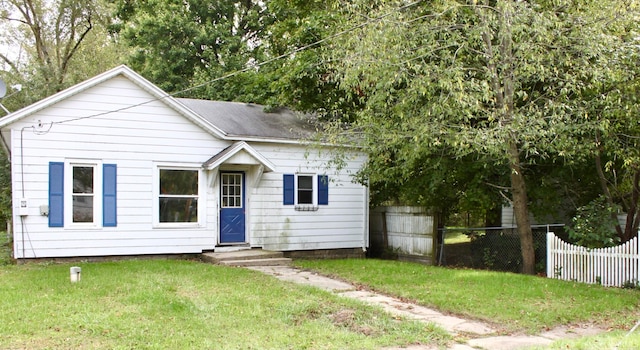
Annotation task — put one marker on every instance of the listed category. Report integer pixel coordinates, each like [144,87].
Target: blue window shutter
[56,194]
[323,189]
[289,189]
[109,191]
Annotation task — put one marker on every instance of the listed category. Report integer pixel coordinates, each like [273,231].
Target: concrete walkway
[473,334]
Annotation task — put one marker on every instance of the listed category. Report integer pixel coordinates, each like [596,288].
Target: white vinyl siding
[135,139]
[339,224]
[140,141]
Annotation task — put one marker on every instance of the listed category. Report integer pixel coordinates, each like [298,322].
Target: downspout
[365,234]
[22,183]
[22,223]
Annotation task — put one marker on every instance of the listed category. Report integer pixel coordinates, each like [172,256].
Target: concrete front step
[258,262]
[247,257]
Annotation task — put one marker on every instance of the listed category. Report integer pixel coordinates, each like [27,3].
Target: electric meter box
[23,207]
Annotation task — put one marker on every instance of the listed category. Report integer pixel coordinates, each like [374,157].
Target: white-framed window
[305,191]
[231,195]
[178,196]
[83,194]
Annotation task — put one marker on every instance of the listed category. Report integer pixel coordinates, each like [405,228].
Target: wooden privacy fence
[405,230]
[610,267]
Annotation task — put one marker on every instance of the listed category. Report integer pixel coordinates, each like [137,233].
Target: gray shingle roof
[250,120]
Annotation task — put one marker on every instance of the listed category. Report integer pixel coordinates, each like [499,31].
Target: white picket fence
[611,267]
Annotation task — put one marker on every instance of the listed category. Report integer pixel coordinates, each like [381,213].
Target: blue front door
[232,218]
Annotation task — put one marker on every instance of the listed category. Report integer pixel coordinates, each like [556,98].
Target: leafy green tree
[557,187]
[52,45]
[304,78]
[401,173]
[251,51]
[615,142]
[592,227]
[180,44]
[505,81]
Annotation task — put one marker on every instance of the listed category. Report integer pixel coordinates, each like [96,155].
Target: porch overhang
[239,153]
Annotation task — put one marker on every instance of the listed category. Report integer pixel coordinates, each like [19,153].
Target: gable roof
[226,120]
[246,121]
[125,71]
[234,149]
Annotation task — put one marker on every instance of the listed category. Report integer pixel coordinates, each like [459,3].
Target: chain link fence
[492,248]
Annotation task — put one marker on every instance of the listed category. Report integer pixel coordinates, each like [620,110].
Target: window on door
[231,190]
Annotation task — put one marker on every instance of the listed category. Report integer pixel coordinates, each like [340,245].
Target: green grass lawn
[615,340]
[160,304]
[512,302]
[171,304]
[5,249]
[455,236]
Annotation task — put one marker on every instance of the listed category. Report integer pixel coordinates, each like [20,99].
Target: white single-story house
[115,166]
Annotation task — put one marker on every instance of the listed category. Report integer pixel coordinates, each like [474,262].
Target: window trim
[97,193]
[314,190]
[319,196]
[241,185]
[200,197]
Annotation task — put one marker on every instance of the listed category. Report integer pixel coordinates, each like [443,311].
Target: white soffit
[239,152]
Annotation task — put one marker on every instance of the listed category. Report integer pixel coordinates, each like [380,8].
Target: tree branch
[9,62]
[14,20]
[69,53]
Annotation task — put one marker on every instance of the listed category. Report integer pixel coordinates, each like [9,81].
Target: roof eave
[239,146]
[127,72]
[289,141]
[66,93]
[264,139]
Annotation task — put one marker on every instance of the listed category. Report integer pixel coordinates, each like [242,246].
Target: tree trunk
[521,211]
[505,93]
[604,186]
[631,226]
